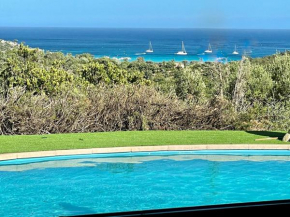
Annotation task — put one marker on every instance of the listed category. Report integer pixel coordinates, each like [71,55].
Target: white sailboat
[150,50]
[235,52]
[209,50]
[183,51]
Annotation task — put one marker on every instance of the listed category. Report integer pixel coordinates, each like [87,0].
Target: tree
[280,72]
[259,84]
[190,84]
[240,85]
[110,73]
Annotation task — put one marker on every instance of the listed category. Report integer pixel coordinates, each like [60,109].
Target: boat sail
[235,52]
[209,50]
[183,51]
[150,50]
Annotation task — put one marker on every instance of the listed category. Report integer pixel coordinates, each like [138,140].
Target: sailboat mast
[183,51]
[150,50]
[183,48]
[150,46]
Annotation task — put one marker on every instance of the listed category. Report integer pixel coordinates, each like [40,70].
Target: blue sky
[265,14]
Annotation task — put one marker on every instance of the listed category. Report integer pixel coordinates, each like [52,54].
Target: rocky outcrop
[286,138]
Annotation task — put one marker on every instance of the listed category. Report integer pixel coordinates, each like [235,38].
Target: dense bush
[45,92]
[106,108]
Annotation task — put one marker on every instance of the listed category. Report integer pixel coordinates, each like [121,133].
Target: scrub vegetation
[42,92]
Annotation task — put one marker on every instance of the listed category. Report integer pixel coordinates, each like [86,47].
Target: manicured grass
[15,144]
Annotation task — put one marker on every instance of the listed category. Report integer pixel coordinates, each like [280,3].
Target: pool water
[75,185]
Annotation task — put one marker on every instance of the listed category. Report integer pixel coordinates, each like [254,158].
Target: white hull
[209,50]
[149,51]
[235,51]
[181,53]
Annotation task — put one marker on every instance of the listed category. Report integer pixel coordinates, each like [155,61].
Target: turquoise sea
[132,43]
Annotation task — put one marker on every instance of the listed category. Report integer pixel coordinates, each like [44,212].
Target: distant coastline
[132,43]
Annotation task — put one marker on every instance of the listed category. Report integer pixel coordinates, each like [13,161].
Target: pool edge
[23,155]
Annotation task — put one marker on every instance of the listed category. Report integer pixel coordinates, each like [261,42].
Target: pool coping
[23,155]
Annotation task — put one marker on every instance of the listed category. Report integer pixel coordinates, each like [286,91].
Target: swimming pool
[86,184]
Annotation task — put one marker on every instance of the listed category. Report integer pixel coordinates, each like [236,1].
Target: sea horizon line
[133,28]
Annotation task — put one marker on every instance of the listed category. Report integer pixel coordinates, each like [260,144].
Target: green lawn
[14,144]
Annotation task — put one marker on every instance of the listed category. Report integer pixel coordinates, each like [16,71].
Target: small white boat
[183,51]
[209,50]
[150,50]
[235,52]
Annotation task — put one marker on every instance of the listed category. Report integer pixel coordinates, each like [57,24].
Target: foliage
[110,73]
[280,72]
[190,85]
[51,92]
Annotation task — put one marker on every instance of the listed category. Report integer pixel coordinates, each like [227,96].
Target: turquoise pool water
[75,185]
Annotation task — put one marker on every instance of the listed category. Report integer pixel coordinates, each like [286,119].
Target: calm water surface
[132,43]
[127,182]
